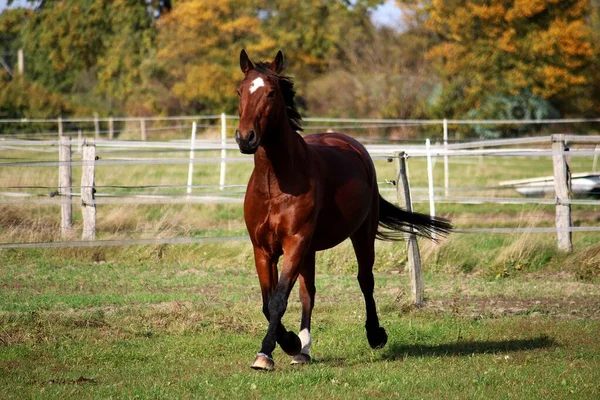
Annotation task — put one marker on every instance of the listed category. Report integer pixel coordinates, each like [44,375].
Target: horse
[308,194]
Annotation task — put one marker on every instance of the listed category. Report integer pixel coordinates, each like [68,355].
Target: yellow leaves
[493,13]
[507,41]
[199,42]
[528,8]
[557,80]
[508,46]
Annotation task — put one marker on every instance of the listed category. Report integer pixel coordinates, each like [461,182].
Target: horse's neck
[282,161]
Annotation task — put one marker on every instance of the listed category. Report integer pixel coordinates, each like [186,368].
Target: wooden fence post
[111,128]
[562,188]
[143,128]
[412,246]
[88,204]
[60,127]
[65,186]
[96,126]
[79,140]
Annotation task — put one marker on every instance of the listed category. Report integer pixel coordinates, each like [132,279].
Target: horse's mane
[286,84]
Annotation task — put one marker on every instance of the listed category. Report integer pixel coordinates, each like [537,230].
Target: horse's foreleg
[266,269]
[307,298]
[294,249]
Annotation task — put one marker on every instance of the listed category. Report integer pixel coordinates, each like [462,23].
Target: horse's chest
[279,218]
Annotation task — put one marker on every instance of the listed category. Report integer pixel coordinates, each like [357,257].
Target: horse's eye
[271,94]
[239,93]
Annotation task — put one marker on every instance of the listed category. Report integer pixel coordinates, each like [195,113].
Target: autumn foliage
[452,59]
[501,47]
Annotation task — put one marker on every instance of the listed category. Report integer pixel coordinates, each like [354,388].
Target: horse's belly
[342,216]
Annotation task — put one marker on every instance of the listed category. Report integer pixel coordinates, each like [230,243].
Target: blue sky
[387,14]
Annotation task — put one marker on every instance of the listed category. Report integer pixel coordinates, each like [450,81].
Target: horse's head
[261,101]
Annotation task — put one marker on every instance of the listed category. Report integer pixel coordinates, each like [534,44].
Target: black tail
[398,222]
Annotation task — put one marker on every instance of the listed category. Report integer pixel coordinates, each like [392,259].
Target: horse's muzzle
[249,144]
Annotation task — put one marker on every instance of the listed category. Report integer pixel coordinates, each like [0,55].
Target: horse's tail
[398,222]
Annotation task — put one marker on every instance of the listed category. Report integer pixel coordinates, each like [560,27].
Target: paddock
[163,300]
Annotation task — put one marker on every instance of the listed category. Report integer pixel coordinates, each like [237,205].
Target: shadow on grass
[398,351]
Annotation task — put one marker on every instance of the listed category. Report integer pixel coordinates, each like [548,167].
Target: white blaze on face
[257,83]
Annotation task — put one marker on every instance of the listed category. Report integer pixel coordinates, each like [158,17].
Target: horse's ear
[245,63]
[277,64]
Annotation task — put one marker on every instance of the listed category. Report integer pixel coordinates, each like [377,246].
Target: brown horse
[308,194]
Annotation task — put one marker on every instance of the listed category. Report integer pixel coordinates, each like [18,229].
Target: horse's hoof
[377,337]
[290,343]
[301,359]
[263,362]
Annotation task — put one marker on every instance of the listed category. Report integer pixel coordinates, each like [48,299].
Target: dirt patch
[78,381]
[495,307]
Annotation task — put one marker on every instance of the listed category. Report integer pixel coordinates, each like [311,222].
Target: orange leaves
[508,46]
[493,13]
[528,8]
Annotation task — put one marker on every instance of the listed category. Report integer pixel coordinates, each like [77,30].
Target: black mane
[286,84]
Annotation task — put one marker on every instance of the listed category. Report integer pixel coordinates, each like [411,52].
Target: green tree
[11,22]
[198,46]
[199,42]
[90,52]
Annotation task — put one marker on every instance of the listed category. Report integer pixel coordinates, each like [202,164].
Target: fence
[559,147]
[377,151]
[222,144]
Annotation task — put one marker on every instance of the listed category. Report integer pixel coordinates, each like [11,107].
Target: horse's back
[348,186]
[343,155]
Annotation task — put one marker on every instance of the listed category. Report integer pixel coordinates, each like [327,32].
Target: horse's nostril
[251,136]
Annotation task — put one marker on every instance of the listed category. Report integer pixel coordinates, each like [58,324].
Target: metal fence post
[191,167]
[223,151]
[430,178]
[446,169]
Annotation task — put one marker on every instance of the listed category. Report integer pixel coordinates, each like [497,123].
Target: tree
[11,22]
[507,48]
[91,51]
[199,43]
[198,46]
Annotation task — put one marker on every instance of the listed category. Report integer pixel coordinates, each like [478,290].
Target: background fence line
[110,148]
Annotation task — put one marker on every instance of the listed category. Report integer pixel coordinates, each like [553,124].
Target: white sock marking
[257,83]
[306,340]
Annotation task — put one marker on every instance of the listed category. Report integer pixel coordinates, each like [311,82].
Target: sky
[387,14]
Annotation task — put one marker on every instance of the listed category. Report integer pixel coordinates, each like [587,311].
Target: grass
[506,316]
[168,327]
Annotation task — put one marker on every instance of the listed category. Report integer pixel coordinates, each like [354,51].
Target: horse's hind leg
[363,241]
[307,298]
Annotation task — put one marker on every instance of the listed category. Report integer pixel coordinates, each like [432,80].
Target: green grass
[147,323]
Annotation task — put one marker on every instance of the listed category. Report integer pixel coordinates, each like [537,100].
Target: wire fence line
[223,239]
[378,151]
[388,152]
[212,121]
